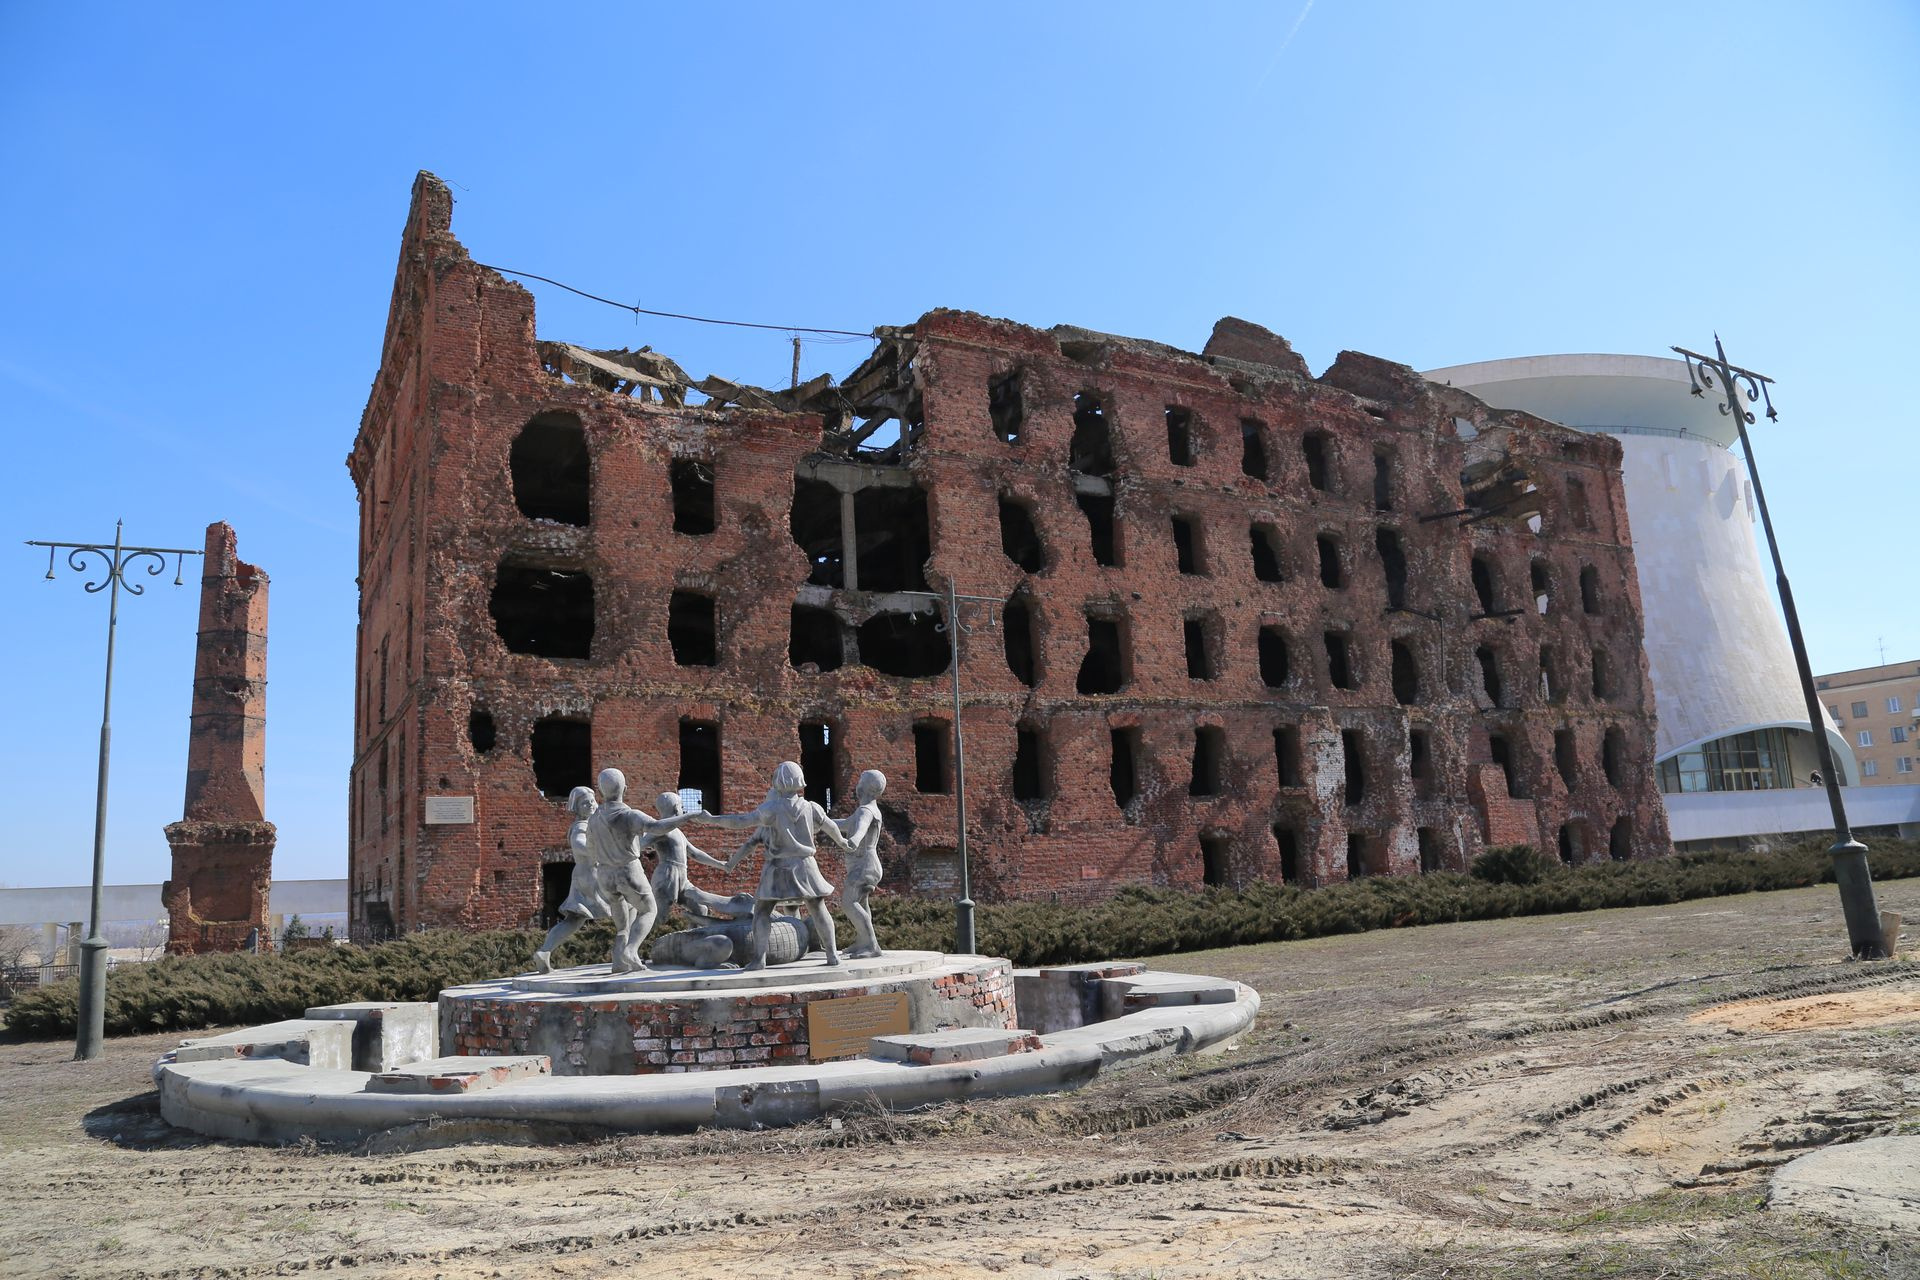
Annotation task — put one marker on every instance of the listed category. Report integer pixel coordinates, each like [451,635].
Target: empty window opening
[1552,688]
[692,495]
[1098,509]
[1179,436]
[1199,650]
[904,644]
[1566,756]
[1406,674]
[1016,633]
[480,730]
[1266,553]
[931,775]
[1103,670]
[1123,774]
[1018,536]
[1577,505]
[1602,674]
[1186,545]
[1589,589]
[1029,772]
[815,639]
[1393,565]
[562,755]
[1273,657]
[1489,674]
[1090,452]
[1007,407]
[1340,669]
[1331,574]
[816,760]
[1483,584]
[1613,757]
[556,882]
[1500,751]
[700,763]
[1253,448]
[1382,480]
[691,628]
[1288,842]
[1620,840]
[1357,856]
[544,612]
[893,539]
[1569,843]
[551,476]
[1353,752]
[1215,861]
[815,523]
[1316,446]
[1420,755]
[1542,581]
[1286,755]
[1432,852]
[1209,748]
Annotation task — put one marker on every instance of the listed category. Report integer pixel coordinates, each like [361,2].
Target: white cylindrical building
[1731,713]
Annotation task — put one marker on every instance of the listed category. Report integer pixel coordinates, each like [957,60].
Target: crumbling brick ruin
[1244,624]
[216,899]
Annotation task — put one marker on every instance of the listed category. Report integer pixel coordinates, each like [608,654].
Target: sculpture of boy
[613,837]
[589,896]
[671,887]
[862,830]
[787,823]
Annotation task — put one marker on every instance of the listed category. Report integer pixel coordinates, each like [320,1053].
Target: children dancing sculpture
[862,830]
[588,896]
[786,824]
[611,846]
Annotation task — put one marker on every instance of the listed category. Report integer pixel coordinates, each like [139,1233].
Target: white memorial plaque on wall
[449,810]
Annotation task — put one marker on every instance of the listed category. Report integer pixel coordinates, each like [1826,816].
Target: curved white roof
[1597,392]
[1717,650]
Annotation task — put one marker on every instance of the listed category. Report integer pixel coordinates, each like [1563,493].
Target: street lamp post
[964,939]
[1849,855]
[90,1031]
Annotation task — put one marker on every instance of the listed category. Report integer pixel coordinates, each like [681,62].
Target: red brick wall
[461,377]
[712,1033]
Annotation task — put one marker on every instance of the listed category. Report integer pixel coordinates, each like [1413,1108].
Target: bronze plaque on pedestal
[839,1028]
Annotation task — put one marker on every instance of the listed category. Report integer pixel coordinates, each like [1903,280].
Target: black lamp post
[964,938]
[1714,373]
[90,1028]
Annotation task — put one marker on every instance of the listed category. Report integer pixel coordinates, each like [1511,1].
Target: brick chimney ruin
[223,844]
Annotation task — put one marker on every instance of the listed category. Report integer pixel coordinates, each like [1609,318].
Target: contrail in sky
[1292,31]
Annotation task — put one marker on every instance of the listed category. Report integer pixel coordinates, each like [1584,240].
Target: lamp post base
[963,937]
[1857,900]
[90,1028]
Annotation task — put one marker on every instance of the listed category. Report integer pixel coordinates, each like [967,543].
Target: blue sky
[203,207]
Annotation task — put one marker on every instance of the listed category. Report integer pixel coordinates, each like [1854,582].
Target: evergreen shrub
[187,992]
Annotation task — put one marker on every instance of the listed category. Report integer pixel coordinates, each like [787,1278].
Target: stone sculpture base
[591,1021]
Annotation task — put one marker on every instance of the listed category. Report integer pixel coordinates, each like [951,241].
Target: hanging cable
[673,315]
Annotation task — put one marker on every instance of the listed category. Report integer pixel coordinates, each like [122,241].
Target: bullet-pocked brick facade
[1233,622]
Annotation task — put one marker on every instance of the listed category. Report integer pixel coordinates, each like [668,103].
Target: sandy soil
[1600,1094]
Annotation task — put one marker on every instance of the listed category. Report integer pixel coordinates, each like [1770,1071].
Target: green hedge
[198,991]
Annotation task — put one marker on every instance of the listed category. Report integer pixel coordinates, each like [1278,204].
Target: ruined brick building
[216,898]
[1244,624]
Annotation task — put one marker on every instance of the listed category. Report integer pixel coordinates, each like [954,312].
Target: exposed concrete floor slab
[1873,1183]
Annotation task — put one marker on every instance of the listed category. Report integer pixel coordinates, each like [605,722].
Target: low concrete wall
[1720,815]
[277,1101]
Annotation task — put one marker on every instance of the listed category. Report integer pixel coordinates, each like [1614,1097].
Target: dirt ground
[1584,1095]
